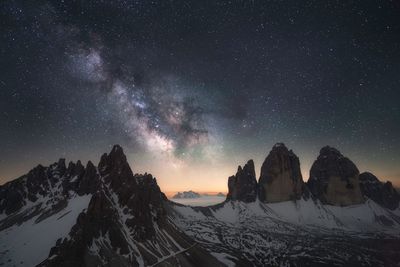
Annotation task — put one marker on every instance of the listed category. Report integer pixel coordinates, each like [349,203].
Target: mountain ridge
[281,180]
[122,221]
[107,215]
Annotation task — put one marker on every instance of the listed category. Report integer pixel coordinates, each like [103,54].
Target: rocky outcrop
[73,176]
[243,185]
[98,221]
[43,182]
[125,223]
[280,177]
[134,192]
[382,193]
[89,182]
[30,187]
[334,179]
[75,170]
[13,196]
[129,222]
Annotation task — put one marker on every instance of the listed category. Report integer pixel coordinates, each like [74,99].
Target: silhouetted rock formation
[280,177]
[108,216]
[187,194]
[125,223]
[243,185]
[89,182]
[334,179]
[134,192]
[38,183]
[382,193]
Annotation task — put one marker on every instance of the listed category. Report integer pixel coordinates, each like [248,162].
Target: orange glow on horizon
[170,194]
[211,177]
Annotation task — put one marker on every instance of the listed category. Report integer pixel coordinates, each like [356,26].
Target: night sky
[191,89]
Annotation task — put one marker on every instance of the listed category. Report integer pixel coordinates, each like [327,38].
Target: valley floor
[302,233]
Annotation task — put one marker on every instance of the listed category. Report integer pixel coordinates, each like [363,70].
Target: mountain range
[187,194]
[191,194]
[107,215]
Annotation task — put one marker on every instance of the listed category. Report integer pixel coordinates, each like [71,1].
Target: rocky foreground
[93,216]
[108,216]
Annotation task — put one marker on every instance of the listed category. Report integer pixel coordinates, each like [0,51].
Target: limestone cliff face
[280,178]
[334,179]
[243,185]
[382,193]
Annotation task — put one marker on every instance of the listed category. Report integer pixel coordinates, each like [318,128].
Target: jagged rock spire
[243,185]
[280,177]
[90,180]
[115,162]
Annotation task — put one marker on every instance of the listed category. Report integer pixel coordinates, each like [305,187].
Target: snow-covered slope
[37,209]
[366,217]
[29,243]
[295,232]
[93,216]
[108,216]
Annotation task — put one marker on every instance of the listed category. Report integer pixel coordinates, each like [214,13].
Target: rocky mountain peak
[123,219]
[124,207]
[367,177]
[117,154]
[389,185]
[334,179]
[61,165]
[243,185]
[279,147]
[90,181]
[79,163]
[114,162]
[136,193]
[38,170]
[120,218]
[382,193]
[90,166]
[280,177]
[75,169]
[249,169]
[329,151]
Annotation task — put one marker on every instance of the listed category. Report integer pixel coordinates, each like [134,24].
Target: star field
[191,89]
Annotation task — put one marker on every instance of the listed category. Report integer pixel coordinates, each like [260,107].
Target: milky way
[157,115]
[193,89]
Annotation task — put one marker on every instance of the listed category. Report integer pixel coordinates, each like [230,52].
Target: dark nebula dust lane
[193,89]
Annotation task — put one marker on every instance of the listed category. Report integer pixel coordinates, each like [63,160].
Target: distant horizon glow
[213,179]
[192,91]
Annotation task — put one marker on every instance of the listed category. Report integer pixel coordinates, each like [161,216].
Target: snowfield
[294,232]
[366,218]
[29,243]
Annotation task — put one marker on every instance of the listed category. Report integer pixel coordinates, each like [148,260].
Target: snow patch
[29,244]
[224,258]
[188,212]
